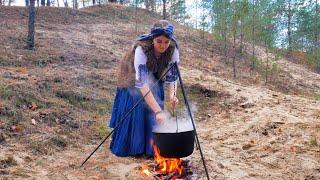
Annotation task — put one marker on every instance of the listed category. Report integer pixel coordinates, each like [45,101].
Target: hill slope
[55,101]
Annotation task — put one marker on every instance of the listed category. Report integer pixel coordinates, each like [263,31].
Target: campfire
[169,168]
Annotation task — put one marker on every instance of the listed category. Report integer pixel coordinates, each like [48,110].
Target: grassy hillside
[55,101]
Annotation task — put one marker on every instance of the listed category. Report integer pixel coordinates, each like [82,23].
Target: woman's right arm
[141,83]
[150,100]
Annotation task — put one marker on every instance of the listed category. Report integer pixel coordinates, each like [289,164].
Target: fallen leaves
[22,70]
[251,144]
[9,161]
[33,106]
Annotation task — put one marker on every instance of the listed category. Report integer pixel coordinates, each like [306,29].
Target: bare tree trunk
[253,36]
[203,44]
[241,36]
[225,48]
[74,4]
[153,5]
[93,2]
[196,13]
[31,27]
[135,16]
[66,4]
[9,2]
[147,4]
[164,13]
[0,2]
[58,3]
[289,27]
[225,33]
[317,43]
[156,6]
[267,66]
[48,2]
[38,3]
[316,26]
[234,56]
[83,5]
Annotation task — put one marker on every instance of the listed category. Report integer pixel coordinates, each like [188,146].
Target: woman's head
[160,44]
[161,34]
[162,27]
[163,31]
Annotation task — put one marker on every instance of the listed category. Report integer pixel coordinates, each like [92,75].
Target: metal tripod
[135,105]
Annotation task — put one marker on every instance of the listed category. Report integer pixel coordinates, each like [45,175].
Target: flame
[147,172]
[167,165]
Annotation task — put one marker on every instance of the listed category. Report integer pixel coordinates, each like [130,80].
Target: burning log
[169,168]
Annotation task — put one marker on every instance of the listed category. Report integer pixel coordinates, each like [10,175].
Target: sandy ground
[271,138]
[268,136]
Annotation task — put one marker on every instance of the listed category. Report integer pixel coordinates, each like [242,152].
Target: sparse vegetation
[103,131]
[23,99]
[9,161]
[48,146]
[317,97]
[314,142]
[11,115]
[5,91]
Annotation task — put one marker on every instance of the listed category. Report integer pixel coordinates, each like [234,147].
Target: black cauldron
[175,145]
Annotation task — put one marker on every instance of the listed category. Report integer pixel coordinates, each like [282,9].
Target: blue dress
[134,136]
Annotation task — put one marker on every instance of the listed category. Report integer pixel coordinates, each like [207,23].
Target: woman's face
[161,44]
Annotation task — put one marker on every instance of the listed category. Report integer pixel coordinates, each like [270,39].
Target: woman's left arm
[172,94]
[172,78]
[172,89]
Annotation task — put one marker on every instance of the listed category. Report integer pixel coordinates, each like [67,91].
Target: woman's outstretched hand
[160,117]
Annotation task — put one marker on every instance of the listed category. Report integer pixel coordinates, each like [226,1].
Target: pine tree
[31,25]
[178,10]
[253,41]
[221,17]
[316,35]
[164,9]
[287,11]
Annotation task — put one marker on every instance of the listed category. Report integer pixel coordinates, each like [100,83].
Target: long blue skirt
[134,135]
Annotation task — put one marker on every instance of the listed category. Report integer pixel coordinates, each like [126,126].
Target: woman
[140,68]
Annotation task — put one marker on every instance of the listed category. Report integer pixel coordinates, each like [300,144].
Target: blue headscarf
[158,31]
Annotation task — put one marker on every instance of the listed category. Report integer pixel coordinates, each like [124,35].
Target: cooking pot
[175,145]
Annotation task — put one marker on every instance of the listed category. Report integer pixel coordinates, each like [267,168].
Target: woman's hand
[174,101]
[160,117]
